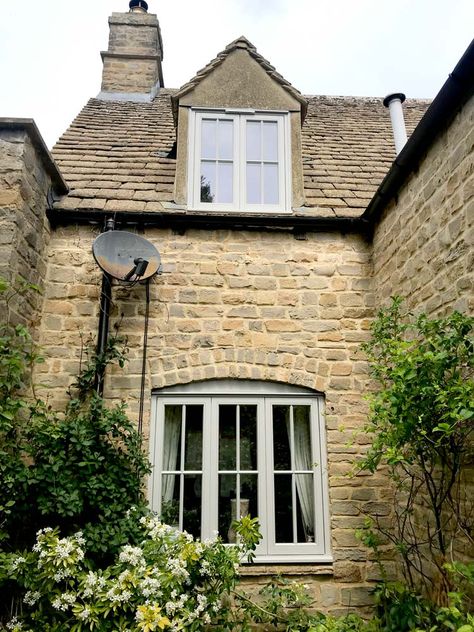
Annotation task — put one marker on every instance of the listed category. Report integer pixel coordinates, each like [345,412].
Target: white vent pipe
[394,103]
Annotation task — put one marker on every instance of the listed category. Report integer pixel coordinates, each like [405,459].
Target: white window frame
[210,395]
[239,117]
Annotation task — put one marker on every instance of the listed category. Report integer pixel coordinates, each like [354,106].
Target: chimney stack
[132,65]
[394,103]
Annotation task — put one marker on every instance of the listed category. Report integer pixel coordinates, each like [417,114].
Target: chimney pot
[138,6]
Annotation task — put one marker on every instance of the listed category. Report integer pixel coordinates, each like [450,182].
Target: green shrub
[421,424]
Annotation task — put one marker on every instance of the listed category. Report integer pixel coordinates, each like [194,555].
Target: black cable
[145,344]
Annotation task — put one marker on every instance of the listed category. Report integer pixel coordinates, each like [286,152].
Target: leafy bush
[80,470]
[422,426]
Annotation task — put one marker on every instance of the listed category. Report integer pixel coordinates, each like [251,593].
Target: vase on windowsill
[244,510]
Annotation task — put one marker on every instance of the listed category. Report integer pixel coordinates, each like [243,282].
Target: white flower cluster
[176,604]
[31,597]
[132,555]
[156,529]
[177,567]
[62,552]
[64,601]
[92,581]
[17,562]
[150,587]
[117,595]
[14,625]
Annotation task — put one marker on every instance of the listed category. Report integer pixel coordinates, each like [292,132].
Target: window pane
[208,181]
[248,495]
[248,437]
[302,429]
[305,507]
[227,437]
[254,145]
[281,444]
[170,499]
[270,140]
[193,448]
[225,177]
[208,138]
[172,438]
[225,140]
[192,504]
[283,508]
[227,505]
[270,184]
[253,184]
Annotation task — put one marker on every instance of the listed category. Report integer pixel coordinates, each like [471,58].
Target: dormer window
[239,161]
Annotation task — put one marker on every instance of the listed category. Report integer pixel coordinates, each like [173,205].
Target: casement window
[239,161]
[222,449]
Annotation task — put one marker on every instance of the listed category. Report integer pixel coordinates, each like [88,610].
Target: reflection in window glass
[253,183]
[192,504]
[193,443]
[227,506]
[225,140]
[209,139]
[227,437]
[283,508]
[208,181]
[224,179]
[170,499]
[248,437]
[270,141]
[270,184]
[254,140]
[281,441]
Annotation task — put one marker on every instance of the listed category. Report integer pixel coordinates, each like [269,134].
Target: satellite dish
[126,256]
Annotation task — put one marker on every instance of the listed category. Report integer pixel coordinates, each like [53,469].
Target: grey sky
[50,62]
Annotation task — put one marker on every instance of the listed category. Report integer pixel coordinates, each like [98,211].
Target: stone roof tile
[119,155]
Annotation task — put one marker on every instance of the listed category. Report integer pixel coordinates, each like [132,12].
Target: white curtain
[172,433]
[303,461]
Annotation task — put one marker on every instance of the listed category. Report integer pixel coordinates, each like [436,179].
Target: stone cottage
[283,222]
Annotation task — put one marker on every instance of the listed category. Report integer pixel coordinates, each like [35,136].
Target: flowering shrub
[170,581]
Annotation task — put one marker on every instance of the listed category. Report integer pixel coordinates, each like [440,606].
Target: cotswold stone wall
[233,304]
[24,230]
[424,242]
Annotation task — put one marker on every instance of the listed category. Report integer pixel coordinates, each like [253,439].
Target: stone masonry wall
[424,242]
[24,229]
[240,305]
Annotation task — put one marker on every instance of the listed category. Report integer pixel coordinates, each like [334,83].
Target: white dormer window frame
[241,158]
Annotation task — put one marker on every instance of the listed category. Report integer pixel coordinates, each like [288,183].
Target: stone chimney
[132,64]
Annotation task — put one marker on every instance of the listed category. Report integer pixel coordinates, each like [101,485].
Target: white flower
[115,595]
[85,614]
[150,586]
[132,555]
[14,624]
[64,601]
[17,562]
[31,597]
[206,619]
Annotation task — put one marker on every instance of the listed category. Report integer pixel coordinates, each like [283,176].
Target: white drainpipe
[394,103]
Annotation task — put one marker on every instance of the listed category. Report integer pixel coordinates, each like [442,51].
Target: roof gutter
[456,91]
[184,221]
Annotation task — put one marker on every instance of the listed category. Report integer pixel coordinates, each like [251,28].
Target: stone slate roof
[118,155]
